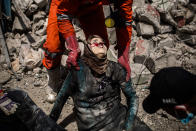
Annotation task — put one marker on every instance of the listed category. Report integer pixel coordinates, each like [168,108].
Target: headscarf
[96,64]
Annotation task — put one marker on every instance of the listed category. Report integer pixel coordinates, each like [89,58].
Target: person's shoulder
[115,66]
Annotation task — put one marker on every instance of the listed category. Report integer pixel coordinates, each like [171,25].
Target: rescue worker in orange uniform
[91,17]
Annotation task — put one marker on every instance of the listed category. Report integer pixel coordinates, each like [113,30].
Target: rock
[188,39]
[19,26]
[165,29]
[37,70]
[167,42]
[167,18]
[147,61]
[24,4]
[32,9]
[145,30]
[167,60]
[13,44]
[2,59]
[29,57]
[41,15]
[41,3]
[16,65]
[143,47]
[188,29]
[163,5]
[150,15]
[39,28]
[4,77]
[39,43]
[189,16]
[137,69]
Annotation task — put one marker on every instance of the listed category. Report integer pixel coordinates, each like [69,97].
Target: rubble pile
[164,34]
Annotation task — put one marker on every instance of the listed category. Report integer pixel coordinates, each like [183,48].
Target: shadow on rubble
[69,119]
[140,126]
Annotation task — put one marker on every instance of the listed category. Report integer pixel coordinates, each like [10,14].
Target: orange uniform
[91,16]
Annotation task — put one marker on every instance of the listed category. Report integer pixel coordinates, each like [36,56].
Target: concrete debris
[41,15]
[24,4]
[5,77]
[41,3]
[16,65]
[29,57]
[149,15]
[145,30]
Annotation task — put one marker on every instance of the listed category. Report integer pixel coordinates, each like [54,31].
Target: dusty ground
[35,85]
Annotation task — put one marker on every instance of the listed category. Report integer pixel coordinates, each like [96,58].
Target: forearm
[132,104]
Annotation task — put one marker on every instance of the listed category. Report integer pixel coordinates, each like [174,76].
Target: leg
[31,115]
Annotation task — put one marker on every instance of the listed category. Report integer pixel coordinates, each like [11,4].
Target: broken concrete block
[143,47]
[16,65]
[189,16]
[150,15]
[39,43]
[41,3]
[5,77]
[166,29]
[188,39]
[24,4]
[29,57]
[169,42]
[188,29]
[145,30]
[41,15]
[32,9]
[39,28]
[19,26]
[163,5]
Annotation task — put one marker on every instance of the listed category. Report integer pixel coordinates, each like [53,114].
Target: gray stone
[145,30]
[37,70]
[188,29]
[150,15]
[39,28]
[2,59]
[19,26]
[188,39]
[39,43]
[39,16]
[29,57]
[169,42]
[16,65]
[166,29]
[143,47]
[32,9]
[24,4]
[4,77]
[189,16]
[112,53]
[41,3]
[163,5]
[167,17]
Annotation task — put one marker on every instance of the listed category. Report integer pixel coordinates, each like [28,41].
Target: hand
[7,105]
[72,60]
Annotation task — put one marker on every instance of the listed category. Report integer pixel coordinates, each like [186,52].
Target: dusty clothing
[91,17]
[97,98]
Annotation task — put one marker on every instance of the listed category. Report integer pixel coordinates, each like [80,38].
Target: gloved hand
[7,105]
[72,46]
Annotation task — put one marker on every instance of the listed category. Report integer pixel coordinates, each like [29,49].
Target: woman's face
[98,47]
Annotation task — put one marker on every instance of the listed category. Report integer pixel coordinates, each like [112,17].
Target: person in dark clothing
[174,90]
[95,90]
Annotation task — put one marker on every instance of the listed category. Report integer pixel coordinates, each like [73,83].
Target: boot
[30,114]
[54,84]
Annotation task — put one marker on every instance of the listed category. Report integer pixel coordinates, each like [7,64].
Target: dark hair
[93,36]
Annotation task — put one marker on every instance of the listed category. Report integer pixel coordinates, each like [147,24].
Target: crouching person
[174,90]
[18,111]
[95,90]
